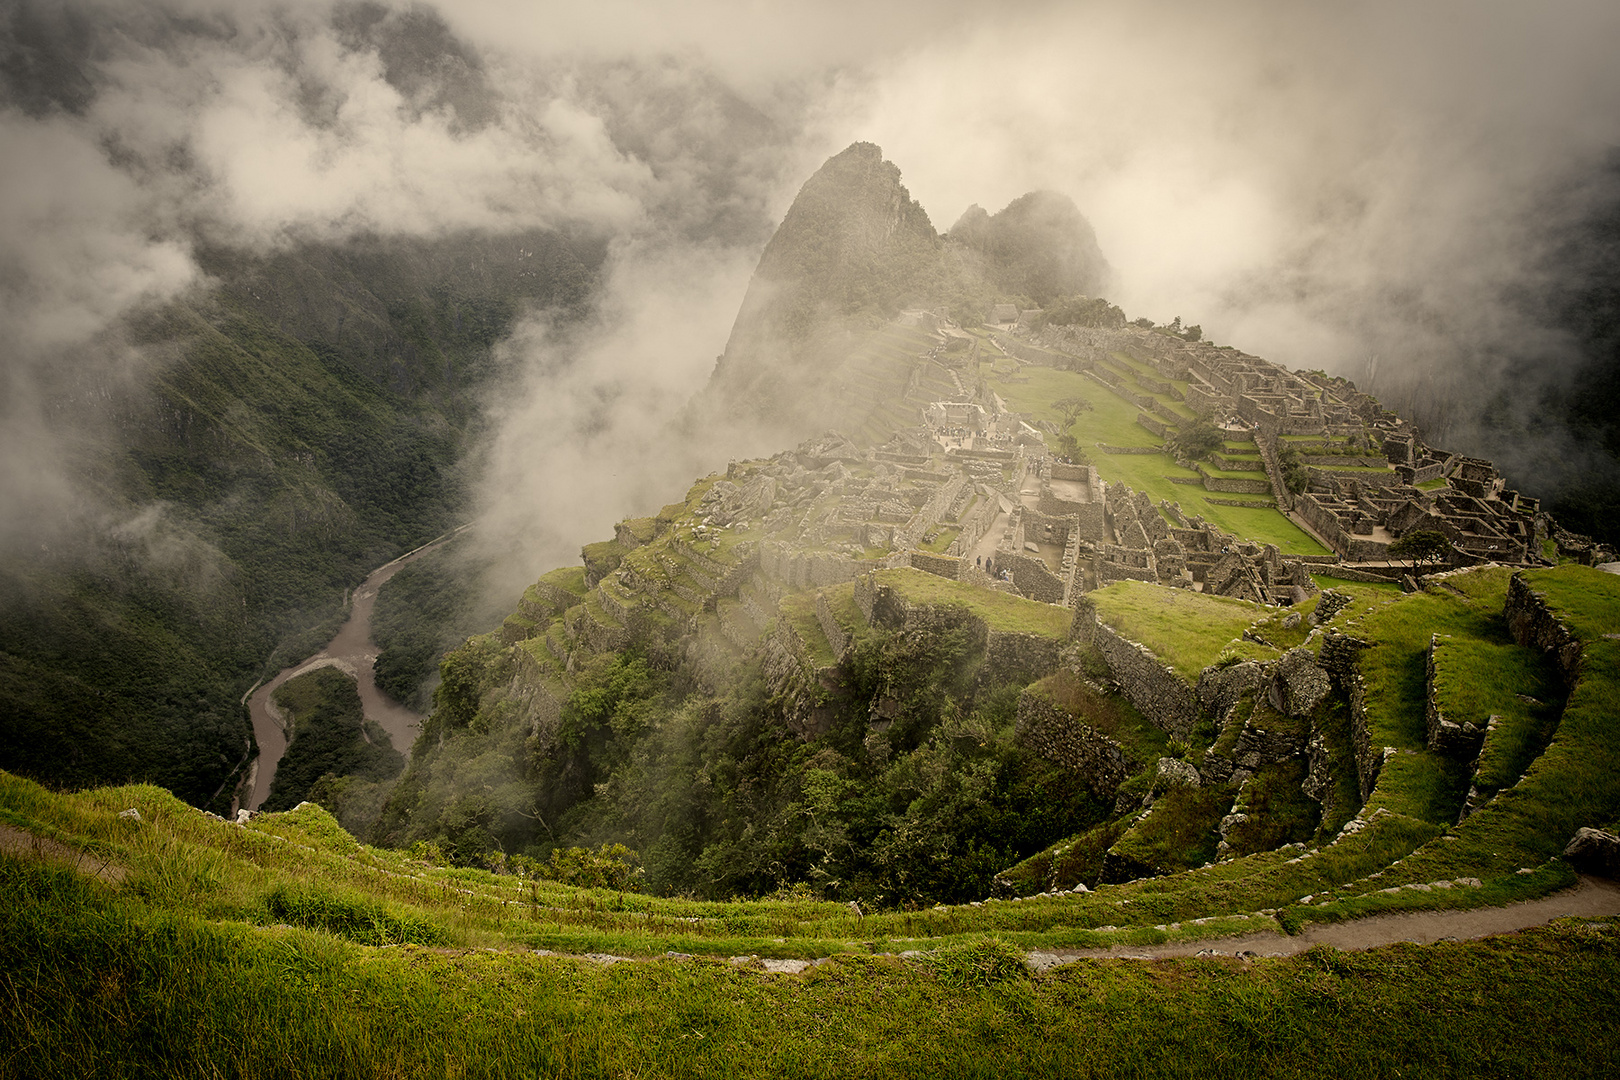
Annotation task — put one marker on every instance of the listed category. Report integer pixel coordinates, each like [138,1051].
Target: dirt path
[986,549]
[21,841]
[353,651]
[1592,898]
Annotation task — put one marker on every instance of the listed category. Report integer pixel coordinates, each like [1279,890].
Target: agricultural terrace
[1112,421]
[1185,629]
[1000,611]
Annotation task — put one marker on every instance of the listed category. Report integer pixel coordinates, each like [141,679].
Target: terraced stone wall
[1158,694]
[1533,625]
[1057,735]
[1024,657]
[945,566]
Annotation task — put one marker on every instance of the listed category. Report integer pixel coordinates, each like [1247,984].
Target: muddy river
[351,650]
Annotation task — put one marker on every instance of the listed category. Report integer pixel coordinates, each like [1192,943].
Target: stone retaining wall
[1253,504]
[1452,736]
[558,597]
[1533,625]
[1158,694]
[836,637]
[1052,732]
[1031,576]
[945,566]
[803,688]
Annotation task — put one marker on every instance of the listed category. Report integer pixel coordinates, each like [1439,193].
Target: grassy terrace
[1002,611]
[1419,783]
[1111,714]
[1574,782]
[571,578]
[288,942]
[799,609]
[1186,630]
[1112,421]
[177,993]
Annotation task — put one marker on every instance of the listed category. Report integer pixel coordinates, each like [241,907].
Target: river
[351,650]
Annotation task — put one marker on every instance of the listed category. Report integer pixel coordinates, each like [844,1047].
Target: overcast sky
[1353,186]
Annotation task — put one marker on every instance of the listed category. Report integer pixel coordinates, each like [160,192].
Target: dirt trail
[353,651]
[21,841]
[1592,898]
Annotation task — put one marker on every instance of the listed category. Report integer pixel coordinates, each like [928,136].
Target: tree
[1296,477]
[1421,546]
[1198,439]
[1069,447]
[1071,408]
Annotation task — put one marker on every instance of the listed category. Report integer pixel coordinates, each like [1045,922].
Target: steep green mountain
[853,251]
[303,421]
[935,657]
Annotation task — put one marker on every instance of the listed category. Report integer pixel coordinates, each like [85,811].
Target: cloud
[133,133]
[1372,187]
[585,439]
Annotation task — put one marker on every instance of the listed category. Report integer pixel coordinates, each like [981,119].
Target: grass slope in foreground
[167,974]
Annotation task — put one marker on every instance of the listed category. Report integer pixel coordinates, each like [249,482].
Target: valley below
[352,651]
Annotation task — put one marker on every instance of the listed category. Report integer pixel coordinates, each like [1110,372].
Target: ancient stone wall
[1157,427]
[1453,736]
[1161,697]
[836,637]
[556,597]
[1054,733]
[816,569]
[945,566]
[1234,485]
[1010,657]
[1533,625]
[803,688]
[1031,576]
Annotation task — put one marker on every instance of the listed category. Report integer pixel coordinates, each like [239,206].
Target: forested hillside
[304,420]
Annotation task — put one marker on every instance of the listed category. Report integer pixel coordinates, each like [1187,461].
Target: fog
[1375,189]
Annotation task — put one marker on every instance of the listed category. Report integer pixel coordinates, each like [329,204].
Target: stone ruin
[1372,477]
[1160,544]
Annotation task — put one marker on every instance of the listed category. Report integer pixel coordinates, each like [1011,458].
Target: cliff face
[1039,246]
[854,240]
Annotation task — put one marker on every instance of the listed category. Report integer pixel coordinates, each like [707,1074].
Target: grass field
[1112,421]
[100,988]
[285,949]
[1186,630]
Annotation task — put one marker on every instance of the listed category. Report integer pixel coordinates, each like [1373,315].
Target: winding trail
[1592,898]
[352,651]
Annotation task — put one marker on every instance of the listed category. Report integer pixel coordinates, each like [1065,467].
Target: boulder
[1593,851]
[1298,685]
[1173,772]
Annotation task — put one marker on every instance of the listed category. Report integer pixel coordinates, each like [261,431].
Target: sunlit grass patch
[1186,630]
[1004,612]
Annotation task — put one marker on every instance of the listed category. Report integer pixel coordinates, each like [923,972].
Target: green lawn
[1186,630]
[1112,420]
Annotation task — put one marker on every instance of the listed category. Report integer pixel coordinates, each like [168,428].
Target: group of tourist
[989,567]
